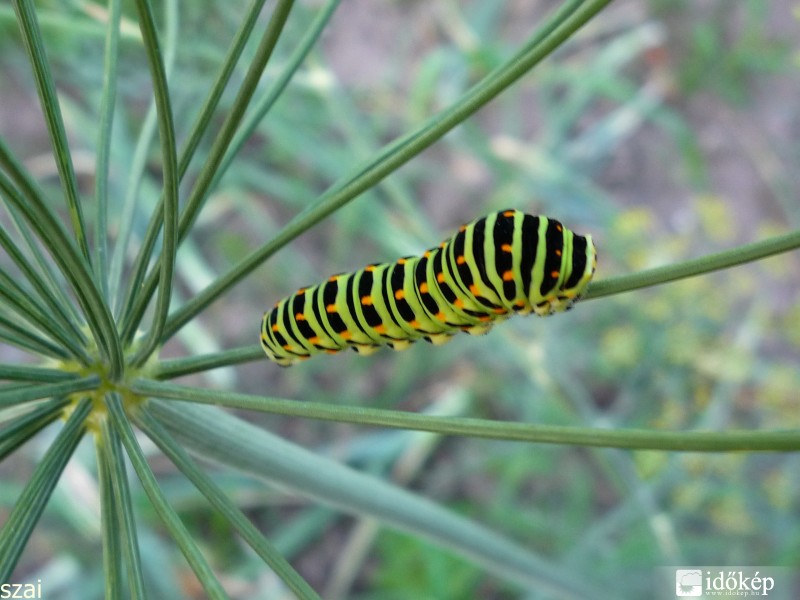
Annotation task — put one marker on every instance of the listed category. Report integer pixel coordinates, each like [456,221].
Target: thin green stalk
[170,168]
[277,88]
[16,372]
[397,153]
[55,310]
[139,161]
[113,577]
[24,337]
[107,105]
[17,431]
[34,44]
[29,308]
[31,503]
[168,515]
[198,130]
[52,234]
[698,266]
[201,187]
[29,189]
[124,525]
[45,390]
[223,504]
[177,367]
[641,439]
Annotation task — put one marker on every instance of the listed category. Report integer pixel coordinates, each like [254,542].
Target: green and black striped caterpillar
[505,263]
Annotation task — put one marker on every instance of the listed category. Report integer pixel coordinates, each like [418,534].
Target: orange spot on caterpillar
[381,328]
[440,277]
[331,308]
[366,300]
[414,324]
[558,252]
[506,248]
[559,227]
[399,294]
[441,316]
[423,287]
[508,276]
[443,244]
[314,340]
[345,335]
[554,274]
[427,254]
[509,213]
[299,317]
[459,303]
[276,327]
[461,260]
[475,290]
[401,261]
[370,268]
[301,291]
[462,229]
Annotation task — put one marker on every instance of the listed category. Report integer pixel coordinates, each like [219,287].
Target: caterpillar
[498,265]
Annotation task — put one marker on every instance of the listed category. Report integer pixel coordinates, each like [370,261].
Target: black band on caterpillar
[505,263]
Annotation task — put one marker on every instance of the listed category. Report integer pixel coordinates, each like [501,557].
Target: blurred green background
[667,130]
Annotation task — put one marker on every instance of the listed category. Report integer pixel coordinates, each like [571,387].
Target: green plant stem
[55,310]
[365,175]
[34,44]
[45,390]
[223,504]
[640,439]
[122,522]
[26,338]
[221,142]
[17,431]
[29,308]
[264,105]
[170,167]
[698,266]
[15,372]
[29,189]
[169,369]
[109,518]
[29,507]
[168,515]
[107,105]
[198,130]
[52,234]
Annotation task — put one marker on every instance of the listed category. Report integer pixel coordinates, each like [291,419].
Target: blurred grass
[600,137]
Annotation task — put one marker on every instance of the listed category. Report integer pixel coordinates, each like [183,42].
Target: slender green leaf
[54,285]
[199,129]
[224,505]
[168,515]
[264,105]
[110,515]
[34,44]
[365,175]
[121,513]
[52,234]
[16,372]
[168,369]
[31,503]
[16,334]
[45,390]
[107,106]
[645,439]
[697,266]
[221,437]
[17,431]
[201,187]
[34,312]
[166,130]
[56,304]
